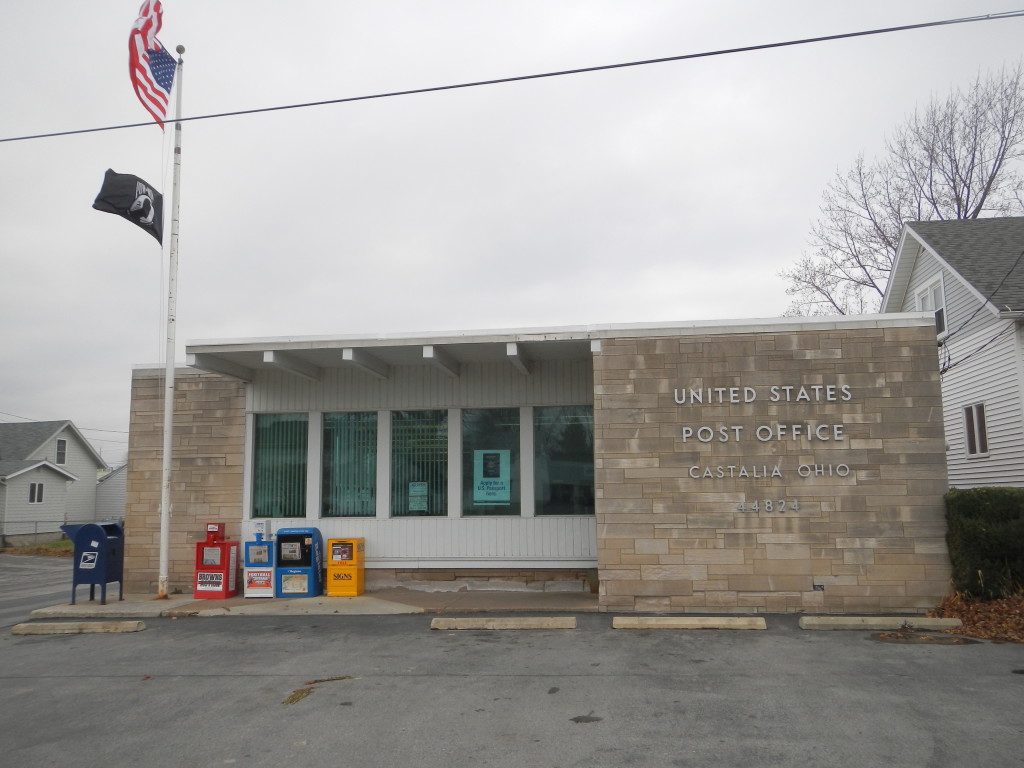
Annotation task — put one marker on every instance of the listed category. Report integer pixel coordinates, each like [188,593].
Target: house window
[564,460]
[490,461]
[419,463]
[35,493]
[976,430]
[279,465]
[350,465]
[931,299]
[62,451]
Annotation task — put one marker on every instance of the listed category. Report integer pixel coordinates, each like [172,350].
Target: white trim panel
[441,542]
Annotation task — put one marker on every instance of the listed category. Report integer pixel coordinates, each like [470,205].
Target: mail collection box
[99,558]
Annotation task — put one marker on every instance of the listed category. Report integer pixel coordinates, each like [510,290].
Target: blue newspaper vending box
[300,562]
[258,572]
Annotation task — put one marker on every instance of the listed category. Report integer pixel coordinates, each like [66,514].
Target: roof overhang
[377,356]
[33,465]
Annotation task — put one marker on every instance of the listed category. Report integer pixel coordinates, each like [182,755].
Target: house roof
[19,441]
[986,253]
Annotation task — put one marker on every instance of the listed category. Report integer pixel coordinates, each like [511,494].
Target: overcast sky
[668,192]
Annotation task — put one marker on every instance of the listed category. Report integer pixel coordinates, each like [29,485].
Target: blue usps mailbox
[99,558]
[300,563]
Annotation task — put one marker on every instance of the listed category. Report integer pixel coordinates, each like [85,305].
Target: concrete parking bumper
[76,627]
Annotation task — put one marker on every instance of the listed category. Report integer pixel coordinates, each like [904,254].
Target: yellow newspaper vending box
[345,577]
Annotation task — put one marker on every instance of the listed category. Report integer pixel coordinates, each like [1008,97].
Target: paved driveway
[388,691]
[27,583]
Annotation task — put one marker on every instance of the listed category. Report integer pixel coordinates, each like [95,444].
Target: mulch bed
[1000,621]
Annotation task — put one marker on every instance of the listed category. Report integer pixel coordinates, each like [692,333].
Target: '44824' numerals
[770,505]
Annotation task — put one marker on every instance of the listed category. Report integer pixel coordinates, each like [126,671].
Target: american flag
[150,65]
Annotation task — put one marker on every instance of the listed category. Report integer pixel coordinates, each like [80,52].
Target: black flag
[134,199]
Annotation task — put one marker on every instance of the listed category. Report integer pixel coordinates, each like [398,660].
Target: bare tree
[957,158]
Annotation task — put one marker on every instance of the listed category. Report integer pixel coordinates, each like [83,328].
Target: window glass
[564,460]
[35,493]
[350,465]
[490,461]
[976,430]
[419,463]
[931,298]
[279,465]
[62,451]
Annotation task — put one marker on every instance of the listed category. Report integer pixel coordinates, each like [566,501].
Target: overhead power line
[561,73]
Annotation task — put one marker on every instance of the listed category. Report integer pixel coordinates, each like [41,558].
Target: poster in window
[492,478]
[259,553]
[418,497]
[291,550]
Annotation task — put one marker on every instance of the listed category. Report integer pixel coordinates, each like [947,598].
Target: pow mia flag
[134,199]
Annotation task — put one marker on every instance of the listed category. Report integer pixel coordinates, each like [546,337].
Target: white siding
[110,495]
[479,385]
[991,376]
[81,495]
[462,542]
[961,303]
[22,518]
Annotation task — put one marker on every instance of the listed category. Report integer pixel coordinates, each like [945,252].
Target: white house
[110,494]
[971,274]
[47,478]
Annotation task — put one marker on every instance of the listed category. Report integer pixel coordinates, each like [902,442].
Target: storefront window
[279,465]
[490,461]
[419,463]
[350,465]
[564,460]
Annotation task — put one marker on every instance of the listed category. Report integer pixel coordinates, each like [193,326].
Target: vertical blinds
[279,465]
[350,465]
[419,463]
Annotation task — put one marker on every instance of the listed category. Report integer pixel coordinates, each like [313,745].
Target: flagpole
[172,282]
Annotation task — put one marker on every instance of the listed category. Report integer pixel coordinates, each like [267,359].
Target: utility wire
[80,429]
[562,73]
[968,356]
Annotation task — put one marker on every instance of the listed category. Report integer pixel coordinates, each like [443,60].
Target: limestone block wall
[794,469]
[206,471]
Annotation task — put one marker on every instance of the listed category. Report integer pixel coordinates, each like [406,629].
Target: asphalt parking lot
[389,691]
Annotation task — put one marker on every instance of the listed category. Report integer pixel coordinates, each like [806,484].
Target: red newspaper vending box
[216,565]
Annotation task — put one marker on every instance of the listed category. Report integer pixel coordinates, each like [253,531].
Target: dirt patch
[53,549]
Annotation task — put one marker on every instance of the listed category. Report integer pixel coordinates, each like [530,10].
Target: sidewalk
[395,600]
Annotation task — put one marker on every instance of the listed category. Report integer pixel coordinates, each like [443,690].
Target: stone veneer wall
[206,471]
[872,541]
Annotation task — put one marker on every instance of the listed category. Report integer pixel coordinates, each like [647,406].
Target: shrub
[985,535]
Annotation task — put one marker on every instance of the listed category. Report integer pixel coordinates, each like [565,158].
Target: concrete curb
[688,622]
[873,623]
[76,627]
[518,622]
